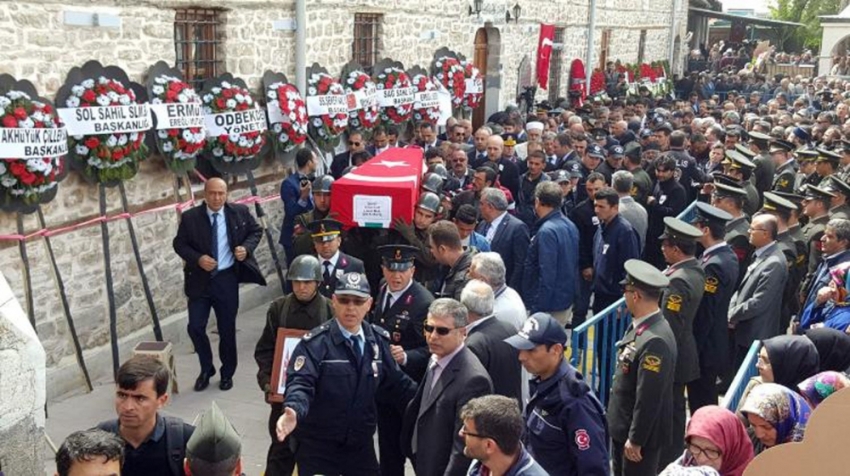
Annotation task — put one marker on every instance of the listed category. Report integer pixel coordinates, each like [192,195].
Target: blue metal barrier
[748,370]
[593,344]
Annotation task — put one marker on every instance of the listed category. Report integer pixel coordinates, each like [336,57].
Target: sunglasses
[353,143]
[443,331]
[344,300]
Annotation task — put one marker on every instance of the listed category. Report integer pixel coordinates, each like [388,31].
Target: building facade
[44,39]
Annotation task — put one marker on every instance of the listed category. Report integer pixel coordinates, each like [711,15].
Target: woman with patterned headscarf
[816,388]
[776,415]
[715,439]
[831,308]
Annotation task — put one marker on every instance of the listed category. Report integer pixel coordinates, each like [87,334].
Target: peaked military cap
[744,150]
[794,198]
[780,145]
[839,185]
[709,213]
[761,138]
[806,155]
[825,155]
[725,190]
[738,160]
[676,229]
[324,230]
[642,274]
[397,257]
[817,193]
[773,202]
[726,180]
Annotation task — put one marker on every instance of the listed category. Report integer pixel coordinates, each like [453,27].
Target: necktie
[214,240]
[485,230]
[327,273]
[482,157]
[389,303]
[355,346]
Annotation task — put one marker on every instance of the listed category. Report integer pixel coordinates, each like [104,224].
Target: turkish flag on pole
[544,53]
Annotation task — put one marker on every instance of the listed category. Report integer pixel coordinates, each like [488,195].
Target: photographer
[297,199]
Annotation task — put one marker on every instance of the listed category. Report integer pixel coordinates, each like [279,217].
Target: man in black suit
[506,169]
[216,241]
[401,309]
[486,339]
[342,161]
[432,422]
[478,155]
[507,235]
[327,238]
[428,137]
[380,141]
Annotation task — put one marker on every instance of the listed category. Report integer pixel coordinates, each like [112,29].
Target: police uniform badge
[651,363]
[299,363]
[340,273]
[353,278]
[674,303]
[711,284]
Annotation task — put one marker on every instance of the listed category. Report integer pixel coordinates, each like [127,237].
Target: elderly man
[534,130]
[455,376]
[506,169]
[632,211]
[835,245]
[508,306]
[507,234]
[485,337]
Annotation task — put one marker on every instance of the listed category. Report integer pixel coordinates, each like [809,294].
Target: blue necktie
[214,241]
[355,345]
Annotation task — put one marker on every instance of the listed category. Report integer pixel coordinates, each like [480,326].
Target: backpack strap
[175,445]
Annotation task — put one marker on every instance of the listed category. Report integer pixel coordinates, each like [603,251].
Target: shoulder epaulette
[316,331]
[381,331]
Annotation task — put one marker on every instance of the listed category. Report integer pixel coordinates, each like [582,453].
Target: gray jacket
[756,306]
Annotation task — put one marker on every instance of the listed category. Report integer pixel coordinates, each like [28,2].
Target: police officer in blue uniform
[333,378]
[565,427]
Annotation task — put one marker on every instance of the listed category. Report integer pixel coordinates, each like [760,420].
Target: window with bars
[555,65]
[366,47]
[198,34]
[641,46]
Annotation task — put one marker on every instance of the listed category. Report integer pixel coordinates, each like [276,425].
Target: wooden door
[480,62]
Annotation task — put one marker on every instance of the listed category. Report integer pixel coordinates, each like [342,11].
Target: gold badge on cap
[398,254]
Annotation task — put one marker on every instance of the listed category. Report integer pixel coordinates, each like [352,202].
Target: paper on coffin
[384,188]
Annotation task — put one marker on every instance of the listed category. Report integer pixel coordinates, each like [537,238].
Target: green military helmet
[323,184]
[433,183]
[305,268]
[429,201]
[439,169]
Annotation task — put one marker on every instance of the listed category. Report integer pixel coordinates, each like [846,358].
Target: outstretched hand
[286,423]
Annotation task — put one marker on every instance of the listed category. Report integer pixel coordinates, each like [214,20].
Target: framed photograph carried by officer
[285,343]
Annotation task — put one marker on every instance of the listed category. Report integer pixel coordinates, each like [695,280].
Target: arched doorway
[487,58]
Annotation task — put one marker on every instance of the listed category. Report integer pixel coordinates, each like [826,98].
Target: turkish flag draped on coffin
[544,53]
[384,188]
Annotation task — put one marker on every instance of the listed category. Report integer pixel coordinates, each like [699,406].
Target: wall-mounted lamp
[475,8]
[517,10]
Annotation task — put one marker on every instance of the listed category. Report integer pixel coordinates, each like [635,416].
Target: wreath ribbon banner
[22,143]
[80,121]
[178,116]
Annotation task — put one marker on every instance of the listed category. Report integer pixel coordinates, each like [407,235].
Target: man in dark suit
[668,199]
[710,330]
[342,161]
[506,169]
[486,339]
[679,306]
[216,241]
[401,309]
[507,235]
[327,239]
[380,141]
[478,155]
[297,199]
[755,307]
[428,137]
[432,421]
[642,393]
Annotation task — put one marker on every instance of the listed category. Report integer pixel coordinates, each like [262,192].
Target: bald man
[506,169]
[217,241]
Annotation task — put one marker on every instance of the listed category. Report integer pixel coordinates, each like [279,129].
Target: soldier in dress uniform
[816,207]
[763,174]
[795,230]
[844,169]
[739,167]
[642,391]
[304,308]
[731,200]
[302,242]
[841,189]
[786,167]
[327,238]
[401,309]
[807,174]
[720,265]
[781,209]
[679,304]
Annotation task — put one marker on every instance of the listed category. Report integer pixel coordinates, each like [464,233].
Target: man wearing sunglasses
[334,376]
[432,424]
[356,143]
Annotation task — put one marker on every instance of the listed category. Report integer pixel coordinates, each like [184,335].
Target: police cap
[324,230]
[675,229]
[711,214]
[214,439]
[397,257]
[594,150]
[539,329]
[616,151]
[599,133]
[353,284]
[644,275]
[773,202]
[561,176]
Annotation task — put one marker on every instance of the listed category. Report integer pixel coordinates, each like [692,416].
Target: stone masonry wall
[38,46]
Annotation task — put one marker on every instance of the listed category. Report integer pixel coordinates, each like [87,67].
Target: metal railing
[748,370]
[593,345]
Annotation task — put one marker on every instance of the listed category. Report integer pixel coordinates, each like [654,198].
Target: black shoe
[225,384]
[203,380]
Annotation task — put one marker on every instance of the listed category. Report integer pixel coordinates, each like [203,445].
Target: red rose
[21,113]
[171,95]
[89,96]
[18,168]
[27,178]
[176,86]
[173,132]
[221,103]
[47,109]
[9,121]
[117,154]
[92,142]
[222,138]
[227,93]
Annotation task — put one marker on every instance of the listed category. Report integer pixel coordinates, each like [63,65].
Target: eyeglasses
[757,229]
[443,331]
[344,300]
[463,432]
[353,143]
[709,453]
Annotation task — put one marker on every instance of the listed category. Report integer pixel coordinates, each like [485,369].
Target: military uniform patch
[634,191]
[299,363]
[582,440]
[651,363]
[711,284]
[674,303]
[783,183]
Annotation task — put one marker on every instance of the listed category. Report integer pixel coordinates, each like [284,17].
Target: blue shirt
[225,255]
[347,335]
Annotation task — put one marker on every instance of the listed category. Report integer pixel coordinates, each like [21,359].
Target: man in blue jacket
[550,276]
[614,243]
[297,199]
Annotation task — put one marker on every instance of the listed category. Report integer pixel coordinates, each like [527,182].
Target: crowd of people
[446,335]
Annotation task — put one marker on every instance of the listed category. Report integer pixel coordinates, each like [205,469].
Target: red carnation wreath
[471,100]
[232,148]
[450,73]
[292,131]
[179,146]
[597,82]
[393,77]
[423,83]
[365,118]
[325,128]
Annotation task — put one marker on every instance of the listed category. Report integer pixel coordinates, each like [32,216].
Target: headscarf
[839,275]
[725,430]
[786,411]
[793,359]
[833,348]
[815,389]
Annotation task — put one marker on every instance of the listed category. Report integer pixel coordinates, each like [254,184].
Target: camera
[305,183]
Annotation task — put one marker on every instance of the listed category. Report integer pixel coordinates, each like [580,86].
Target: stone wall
[40,47]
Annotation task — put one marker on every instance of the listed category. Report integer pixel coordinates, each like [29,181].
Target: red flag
[544,53]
